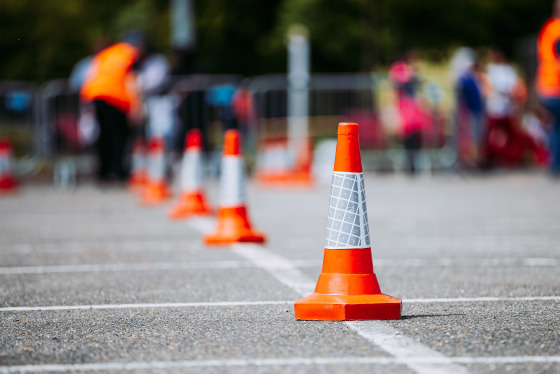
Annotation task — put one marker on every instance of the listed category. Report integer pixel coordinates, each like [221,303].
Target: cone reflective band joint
[8,181]
[347,288]
[156,189]
[192,200]
[233,224]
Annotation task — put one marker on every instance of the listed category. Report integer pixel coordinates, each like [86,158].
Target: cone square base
[190,204]
[285,178]
[324,307]
[233,226]
[155,194]
[223,238]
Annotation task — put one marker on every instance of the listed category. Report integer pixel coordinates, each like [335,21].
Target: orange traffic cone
[156,190]
[138,176]
[8,181]
[192,200]
[347,288]
[233,222]
[278,169]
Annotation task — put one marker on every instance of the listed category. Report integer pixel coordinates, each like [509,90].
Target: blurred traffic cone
[233,222]
[192,200]
[138,175]
[281,168]
[8,181]
[156,190]
[347,288]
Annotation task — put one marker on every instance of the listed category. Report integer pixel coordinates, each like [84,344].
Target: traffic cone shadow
[192,199]
[347,288]
[233,224]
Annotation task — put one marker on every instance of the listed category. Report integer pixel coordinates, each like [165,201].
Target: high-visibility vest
[108,76]
[548,71]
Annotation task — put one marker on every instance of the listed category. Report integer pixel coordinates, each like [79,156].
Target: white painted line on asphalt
[125,267]
[279,302]
[426,262]
[271,264]
[142,306]
[540,262]
[404,349]
[297,361]
[202,224]
[147,244]
[482,299]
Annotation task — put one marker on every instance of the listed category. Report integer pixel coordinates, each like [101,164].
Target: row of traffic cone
[347,288]
[8,181]
[233,223]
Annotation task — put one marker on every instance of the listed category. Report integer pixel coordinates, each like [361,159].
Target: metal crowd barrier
[44,121]
[18,116]
[363,98]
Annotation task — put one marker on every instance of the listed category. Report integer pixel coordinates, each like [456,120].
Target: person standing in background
[111,87]
[548,81]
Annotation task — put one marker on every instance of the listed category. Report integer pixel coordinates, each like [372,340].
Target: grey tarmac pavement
[453,239]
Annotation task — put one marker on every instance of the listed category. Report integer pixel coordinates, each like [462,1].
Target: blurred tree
[43,39]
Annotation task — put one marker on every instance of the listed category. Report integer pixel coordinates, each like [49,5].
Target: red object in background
[8,181]
[507,145]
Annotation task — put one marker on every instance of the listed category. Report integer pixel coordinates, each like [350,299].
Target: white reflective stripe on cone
[138,161]
[347,225]
[156,167]
[5,165]
[191,171]
[232,182]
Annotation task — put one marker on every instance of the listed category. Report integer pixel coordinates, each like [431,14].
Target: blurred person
[507,144]
[406,82]
[79,72]
[111,87]
[548,81]
[469,111]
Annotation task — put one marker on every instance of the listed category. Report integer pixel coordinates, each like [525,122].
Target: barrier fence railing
[45,121]
[367,99]
[18,116]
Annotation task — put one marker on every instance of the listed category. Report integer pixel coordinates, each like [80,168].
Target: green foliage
[43,39]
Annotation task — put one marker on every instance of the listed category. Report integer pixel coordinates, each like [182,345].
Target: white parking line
[142,306]
[125,267]
[272,302]
[84,268]
[297,361]
[124,244]
[404,349]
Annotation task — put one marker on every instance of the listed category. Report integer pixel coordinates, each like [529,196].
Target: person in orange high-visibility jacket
[548,81]
[110,86]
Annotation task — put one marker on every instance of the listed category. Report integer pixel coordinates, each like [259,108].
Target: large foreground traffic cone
[156,190]
[233,221]
[192,200]
[347,288]
[8,183]
[138,174]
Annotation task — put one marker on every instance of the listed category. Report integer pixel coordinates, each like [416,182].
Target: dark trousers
[111,145]
[552,104]
[412,143]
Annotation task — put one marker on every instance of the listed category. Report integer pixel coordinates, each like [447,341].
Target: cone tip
[232,143]
[155,144]
[347,128]
[194,139]
[347,157]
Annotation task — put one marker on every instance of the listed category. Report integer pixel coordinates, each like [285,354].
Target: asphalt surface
[90,281]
